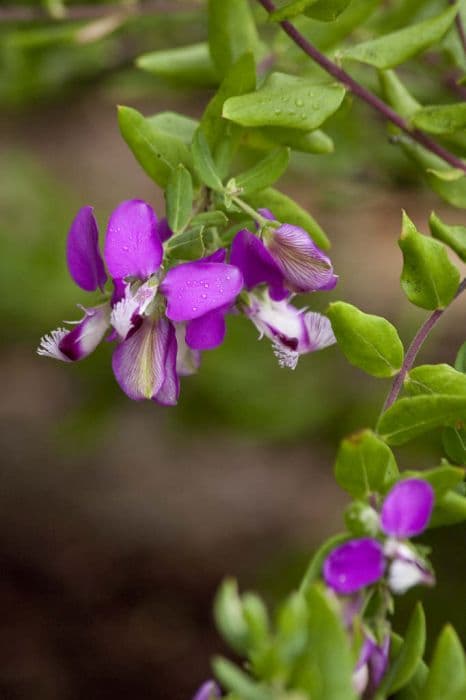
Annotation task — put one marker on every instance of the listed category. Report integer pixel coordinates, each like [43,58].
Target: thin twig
[357,89]
[78,12]
[414,348]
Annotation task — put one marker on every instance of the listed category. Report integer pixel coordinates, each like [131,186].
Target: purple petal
[141,362]
[206,332]
[163,229]
[251,256]
[170,390]
[78,343]
[407,508]
[188,361]
[119,290]
[82,252]
[195,288]
[208,691]
[266,213]
[319,332]
[305,267]
[132,245]
[217,256]
[354,565]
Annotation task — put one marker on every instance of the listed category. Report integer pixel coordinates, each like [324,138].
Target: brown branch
[360,91]
[78,12]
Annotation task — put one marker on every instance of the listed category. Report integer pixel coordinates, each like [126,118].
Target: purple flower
[372,664]
[86,268]
[407,508]
[287,260]
[151,311]
[293,331]
[354,565]
[406,512]
[208,691]
[78,343]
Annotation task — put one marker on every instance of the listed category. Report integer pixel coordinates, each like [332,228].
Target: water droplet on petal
[194,308]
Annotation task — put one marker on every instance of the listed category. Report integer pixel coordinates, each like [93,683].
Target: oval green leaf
[368,342]
[453,236]
[286,101]
[429,279]
[397,47]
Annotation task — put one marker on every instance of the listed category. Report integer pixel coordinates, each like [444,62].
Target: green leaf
[412,691]
[232,32]
[429,279]
[435,379]
[404,665]
[256,618]
[240,79]
[174,124]
[306,142]
[441,119]
[288,211]
[327,10]
[286,101]
[265,172]
[314,570]
[330,662]
[237,681]
[203,162]
[179,198]
[210,218]
[397,47]
[397,95]
[156,151]
[460,361]
[365,464]
[190,65]
[454,444]
[410,417]
[229,616]
[448,669]
[188,245]
[452,236]
[368,342]
[290,10]
[451,510]
[452,191]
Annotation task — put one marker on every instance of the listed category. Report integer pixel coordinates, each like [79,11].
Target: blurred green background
[118,519]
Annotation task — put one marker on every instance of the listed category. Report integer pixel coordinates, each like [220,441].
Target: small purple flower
[77,343]
[208,691]
[372,664]
[150,311]
[354,565]
[407,508]
[293,331]
[305,267]
[287,260]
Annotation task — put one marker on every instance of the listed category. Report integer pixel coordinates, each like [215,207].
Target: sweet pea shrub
[230,243]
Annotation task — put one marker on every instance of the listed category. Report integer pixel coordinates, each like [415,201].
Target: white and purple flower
[149,306]
[362,562]
[293,331]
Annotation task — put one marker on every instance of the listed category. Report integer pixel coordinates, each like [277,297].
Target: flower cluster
[162,315]
[360,563]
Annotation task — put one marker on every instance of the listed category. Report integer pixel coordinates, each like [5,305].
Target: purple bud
[208,691]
